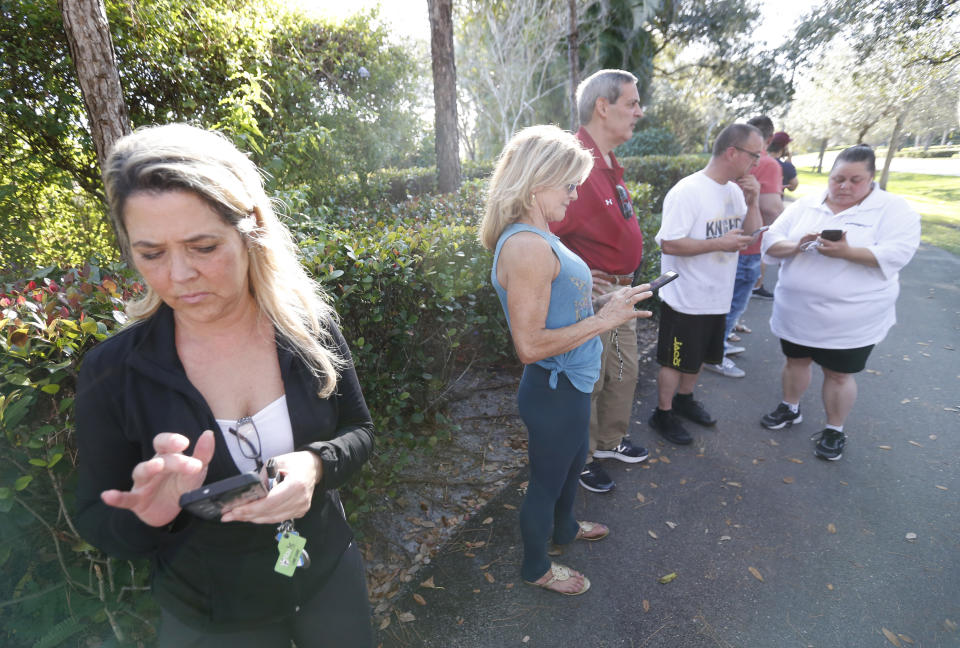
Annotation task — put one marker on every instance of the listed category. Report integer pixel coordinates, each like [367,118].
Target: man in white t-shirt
[705,216]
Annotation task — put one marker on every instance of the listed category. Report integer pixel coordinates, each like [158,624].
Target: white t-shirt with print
[831,303]
[700,208]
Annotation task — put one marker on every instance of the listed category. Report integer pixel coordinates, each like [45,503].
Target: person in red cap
[779,151]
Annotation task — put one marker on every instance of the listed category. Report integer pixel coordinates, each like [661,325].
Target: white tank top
[273,427]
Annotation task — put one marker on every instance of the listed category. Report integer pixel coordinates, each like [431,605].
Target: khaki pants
[611,403]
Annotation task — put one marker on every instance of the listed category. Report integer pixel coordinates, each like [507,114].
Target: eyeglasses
[755,156]
[626,207]
[570,187]
[249,440]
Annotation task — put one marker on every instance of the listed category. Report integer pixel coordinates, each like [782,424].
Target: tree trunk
[573,48]
[892,149]
[444,94]
[823,149]
[88,35]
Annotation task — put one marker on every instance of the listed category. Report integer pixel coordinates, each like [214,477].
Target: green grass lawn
[936,198]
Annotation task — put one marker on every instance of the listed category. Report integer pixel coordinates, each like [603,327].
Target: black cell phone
[759,230]
[663,280]
[831,235]
[209,501]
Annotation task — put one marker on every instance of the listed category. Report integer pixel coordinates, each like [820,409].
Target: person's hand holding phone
[298,473]
[618,306]
[159,482]
[734,241]
[832,243]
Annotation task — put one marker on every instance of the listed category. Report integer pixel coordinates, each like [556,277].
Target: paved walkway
[829,540]
[931,166]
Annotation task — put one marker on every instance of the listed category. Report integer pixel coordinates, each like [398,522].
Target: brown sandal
[583,532]
[560,574]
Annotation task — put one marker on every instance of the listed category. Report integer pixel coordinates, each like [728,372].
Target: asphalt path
[931,166]
[770,547]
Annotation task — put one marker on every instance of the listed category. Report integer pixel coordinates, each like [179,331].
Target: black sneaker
[762,293]
[668,425]
[830,444]
[780,417]
[625,451]
[595,478]
[692,410]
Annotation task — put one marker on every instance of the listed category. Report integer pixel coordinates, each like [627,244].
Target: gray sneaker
[726,368]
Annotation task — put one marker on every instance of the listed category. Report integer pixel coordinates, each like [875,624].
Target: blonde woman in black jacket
[234,359]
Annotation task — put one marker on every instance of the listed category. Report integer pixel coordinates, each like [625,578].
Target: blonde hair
[179,157]
[538,156]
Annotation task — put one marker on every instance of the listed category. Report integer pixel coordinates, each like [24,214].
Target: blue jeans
[748,270]
[557,423]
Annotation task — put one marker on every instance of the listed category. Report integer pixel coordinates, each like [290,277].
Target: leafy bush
[650,141]
[661,172]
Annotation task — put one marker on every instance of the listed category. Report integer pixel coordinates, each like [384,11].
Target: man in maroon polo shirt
[601,227]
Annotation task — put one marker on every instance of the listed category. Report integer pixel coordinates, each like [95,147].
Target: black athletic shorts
[849,361]
[686,341]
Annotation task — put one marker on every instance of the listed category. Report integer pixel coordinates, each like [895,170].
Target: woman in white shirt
[841,253]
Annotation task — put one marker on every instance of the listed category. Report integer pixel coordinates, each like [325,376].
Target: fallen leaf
[949,625]
[508,586]
[385,623]
[652,534]
[460,621]
[788,480]
[683,482]
[831,528]
[652,461]
[795,460]
[905,638]
[732,483]
[641,498]
[646,605]
[723,538]
[653,485]
[487,566]
[487,521]
[476,591]
[672,525]
[892,638]
[510,506]
[905,401]
[911,536]
[419,599]
[489,577]
[885,447]
[405,617]
[469,554]
[830,586]
[429,584]
[941,487]
[932,437]
[873,371]
[914,443]
[773,443]
[526,638]
[756,573]
[665,460]
[663,580]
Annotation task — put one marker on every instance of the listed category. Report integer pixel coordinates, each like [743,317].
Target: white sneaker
[732,349]
[726,368]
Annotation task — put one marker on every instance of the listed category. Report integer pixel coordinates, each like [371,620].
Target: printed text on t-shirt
[720,226]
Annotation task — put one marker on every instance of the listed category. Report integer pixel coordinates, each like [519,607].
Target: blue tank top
[570,302]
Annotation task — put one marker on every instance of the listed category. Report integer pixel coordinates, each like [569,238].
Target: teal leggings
[557,423]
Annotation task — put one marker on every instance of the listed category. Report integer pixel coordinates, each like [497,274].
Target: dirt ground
[442,489]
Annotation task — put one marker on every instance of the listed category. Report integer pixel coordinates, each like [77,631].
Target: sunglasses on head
[626,207]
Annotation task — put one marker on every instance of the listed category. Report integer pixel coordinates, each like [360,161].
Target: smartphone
[663,280]
[759,230]
[831,235]
[209,501]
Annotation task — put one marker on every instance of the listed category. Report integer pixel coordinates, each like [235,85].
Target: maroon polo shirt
[594,227]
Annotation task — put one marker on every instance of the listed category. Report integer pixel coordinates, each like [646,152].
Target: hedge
[411,285]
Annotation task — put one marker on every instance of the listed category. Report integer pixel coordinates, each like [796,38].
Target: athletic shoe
[625,451]
[830,444]
[669,426]
[595,478]
[780,417]
[692,410]
[726,368]
[762,293]
[732,349]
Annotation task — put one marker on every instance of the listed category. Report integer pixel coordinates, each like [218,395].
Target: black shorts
[848,361]
[686,341]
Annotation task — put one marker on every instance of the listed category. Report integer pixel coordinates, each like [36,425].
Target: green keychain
[290,545]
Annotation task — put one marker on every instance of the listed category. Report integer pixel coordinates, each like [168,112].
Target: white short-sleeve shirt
[833,303]
[700,208]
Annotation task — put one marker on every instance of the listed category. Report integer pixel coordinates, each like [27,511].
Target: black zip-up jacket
[211,575]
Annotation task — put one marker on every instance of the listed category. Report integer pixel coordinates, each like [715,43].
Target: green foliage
[661,172]
[649,141]
[51,582]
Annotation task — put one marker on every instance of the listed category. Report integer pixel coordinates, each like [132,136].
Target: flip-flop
[733,337]
[585,528]
[741,328]
[560,574]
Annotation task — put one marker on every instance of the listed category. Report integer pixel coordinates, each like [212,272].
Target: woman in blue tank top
[546,293]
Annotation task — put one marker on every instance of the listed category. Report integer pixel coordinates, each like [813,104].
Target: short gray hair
[606,84]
